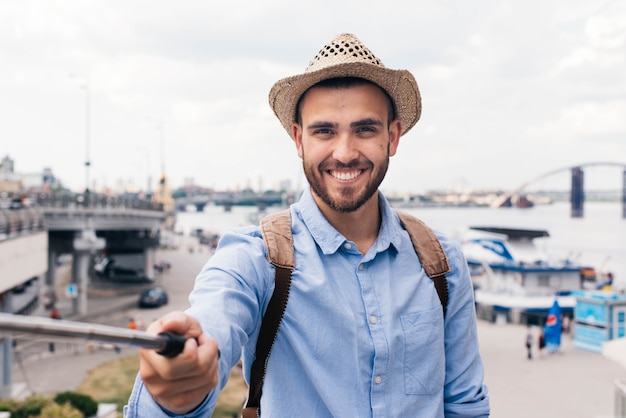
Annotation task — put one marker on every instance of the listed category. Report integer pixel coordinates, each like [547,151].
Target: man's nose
[346,149]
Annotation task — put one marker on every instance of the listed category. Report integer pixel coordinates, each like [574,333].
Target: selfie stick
[168,344]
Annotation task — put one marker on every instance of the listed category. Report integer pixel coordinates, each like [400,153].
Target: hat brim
[399,84]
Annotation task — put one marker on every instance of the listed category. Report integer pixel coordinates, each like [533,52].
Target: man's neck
[360,226]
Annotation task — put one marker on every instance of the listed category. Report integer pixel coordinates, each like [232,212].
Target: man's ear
[395,131]
[296,135]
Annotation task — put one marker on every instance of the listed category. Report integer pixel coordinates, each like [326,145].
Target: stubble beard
[350,201]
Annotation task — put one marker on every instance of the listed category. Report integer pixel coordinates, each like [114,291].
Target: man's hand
[181,383]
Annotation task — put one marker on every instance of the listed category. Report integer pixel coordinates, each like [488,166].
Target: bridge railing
[18,218]
[96,200]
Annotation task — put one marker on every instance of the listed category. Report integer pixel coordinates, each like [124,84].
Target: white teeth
[345,176]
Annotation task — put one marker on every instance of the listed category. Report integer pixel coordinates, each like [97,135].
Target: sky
[511,90]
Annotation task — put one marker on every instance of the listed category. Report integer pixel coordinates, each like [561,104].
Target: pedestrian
[529,342]
[132,324]
[139,323]
[364,333]
[541,344]
[54,314]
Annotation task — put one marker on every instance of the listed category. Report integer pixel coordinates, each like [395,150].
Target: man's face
[345,142]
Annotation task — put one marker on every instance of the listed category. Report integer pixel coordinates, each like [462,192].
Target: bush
[83,403]
[31,407]
[66,410]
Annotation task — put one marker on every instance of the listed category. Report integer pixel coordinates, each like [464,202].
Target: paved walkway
[571,383]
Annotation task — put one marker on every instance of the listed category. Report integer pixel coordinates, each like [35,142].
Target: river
[598,239]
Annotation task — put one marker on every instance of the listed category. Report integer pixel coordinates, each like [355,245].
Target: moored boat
[514,280]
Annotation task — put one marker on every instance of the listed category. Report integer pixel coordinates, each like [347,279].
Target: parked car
[153,298]
[109,269]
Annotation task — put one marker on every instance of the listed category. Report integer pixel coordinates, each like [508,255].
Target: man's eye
[322,131]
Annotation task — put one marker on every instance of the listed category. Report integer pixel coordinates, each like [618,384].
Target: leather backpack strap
[276,230]
[430,252]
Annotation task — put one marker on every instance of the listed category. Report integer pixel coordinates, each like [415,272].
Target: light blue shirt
[362,335]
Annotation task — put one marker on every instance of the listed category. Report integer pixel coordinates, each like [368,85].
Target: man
[364,332]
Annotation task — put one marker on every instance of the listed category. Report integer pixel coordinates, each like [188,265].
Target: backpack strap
[430,252]
[276,230]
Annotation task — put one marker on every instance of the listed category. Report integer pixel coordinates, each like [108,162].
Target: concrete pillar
[150,260]
[85,244]
[577,196]
[80,278]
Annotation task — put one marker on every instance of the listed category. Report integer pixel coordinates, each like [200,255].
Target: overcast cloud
[510,89]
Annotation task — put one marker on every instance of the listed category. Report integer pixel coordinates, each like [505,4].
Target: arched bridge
[577,196]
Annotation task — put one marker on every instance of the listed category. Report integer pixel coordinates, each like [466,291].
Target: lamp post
[85,86]
[87,123]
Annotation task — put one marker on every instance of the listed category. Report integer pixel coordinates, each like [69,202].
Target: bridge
[230,199]
[577,194]
[35,232]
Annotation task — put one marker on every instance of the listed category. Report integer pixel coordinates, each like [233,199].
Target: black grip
[174,344]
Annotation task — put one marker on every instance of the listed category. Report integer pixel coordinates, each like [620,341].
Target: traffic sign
[71,290]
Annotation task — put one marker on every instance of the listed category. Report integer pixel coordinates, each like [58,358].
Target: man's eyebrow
[366,122]
[321,124]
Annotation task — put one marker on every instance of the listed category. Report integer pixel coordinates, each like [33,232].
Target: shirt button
[347,245]
[373,319]
[378,379]
[361,267]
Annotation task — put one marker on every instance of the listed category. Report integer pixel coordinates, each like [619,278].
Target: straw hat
[346,56]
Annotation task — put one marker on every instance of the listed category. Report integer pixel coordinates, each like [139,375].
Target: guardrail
[95,200]
[16,221]
[620,398]
[21,214]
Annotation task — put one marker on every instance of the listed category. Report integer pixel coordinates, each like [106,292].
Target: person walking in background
[541,344]
[529,342]
[363,333]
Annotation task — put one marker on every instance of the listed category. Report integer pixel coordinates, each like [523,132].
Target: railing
[620,398]
[21,214]
[95,200]
[19,220]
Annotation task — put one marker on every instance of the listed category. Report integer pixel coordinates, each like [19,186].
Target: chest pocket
[424,354]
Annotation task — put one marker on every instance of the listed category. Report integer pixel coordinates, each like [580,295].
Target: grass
[112,382]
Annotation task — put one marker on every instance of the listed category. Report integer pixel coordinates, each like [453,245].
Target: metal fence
[620,398]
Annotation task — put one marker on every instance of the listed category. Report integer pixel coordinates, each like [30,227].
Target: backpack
[276,231]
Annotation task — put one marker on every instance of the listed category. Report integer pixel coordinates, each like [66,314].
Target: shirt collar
[329,239]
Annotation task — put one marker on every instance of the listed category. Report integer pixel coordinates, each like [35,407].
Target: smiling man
[365,332]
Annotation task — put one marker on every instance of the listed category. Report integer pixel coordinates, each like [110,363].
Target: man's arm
[465,394]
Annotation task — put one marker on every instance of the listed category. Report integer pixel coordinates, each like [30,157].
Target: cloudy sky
[511,89]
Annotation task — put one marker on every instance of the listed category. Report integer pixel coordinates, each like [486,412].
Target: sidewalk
[572,383]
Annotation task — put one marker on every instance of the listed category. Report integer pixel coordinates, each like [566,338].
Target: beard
[350,198]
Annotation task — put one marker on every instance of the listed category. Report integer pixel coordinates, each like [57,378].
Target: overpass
[577,195]
[34,233]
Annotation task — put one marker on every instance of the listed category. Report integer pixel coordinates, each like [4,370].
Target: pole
[168,344]
[87,144]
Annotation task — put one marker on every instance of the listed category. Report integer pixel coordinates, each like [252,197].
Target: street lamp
[85,86]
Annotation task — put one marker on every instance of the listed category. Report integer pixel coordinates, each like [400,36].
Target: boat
[514,280]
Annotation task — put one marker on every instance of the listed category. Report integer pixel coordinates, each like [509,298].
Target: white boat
[514,280]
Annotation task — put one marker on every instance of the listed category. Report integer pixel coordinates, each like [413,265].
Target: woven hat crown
[343,49]
[346,56]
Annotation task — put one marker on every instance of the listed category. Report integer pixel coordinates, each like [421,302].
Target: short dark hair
[344,83]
